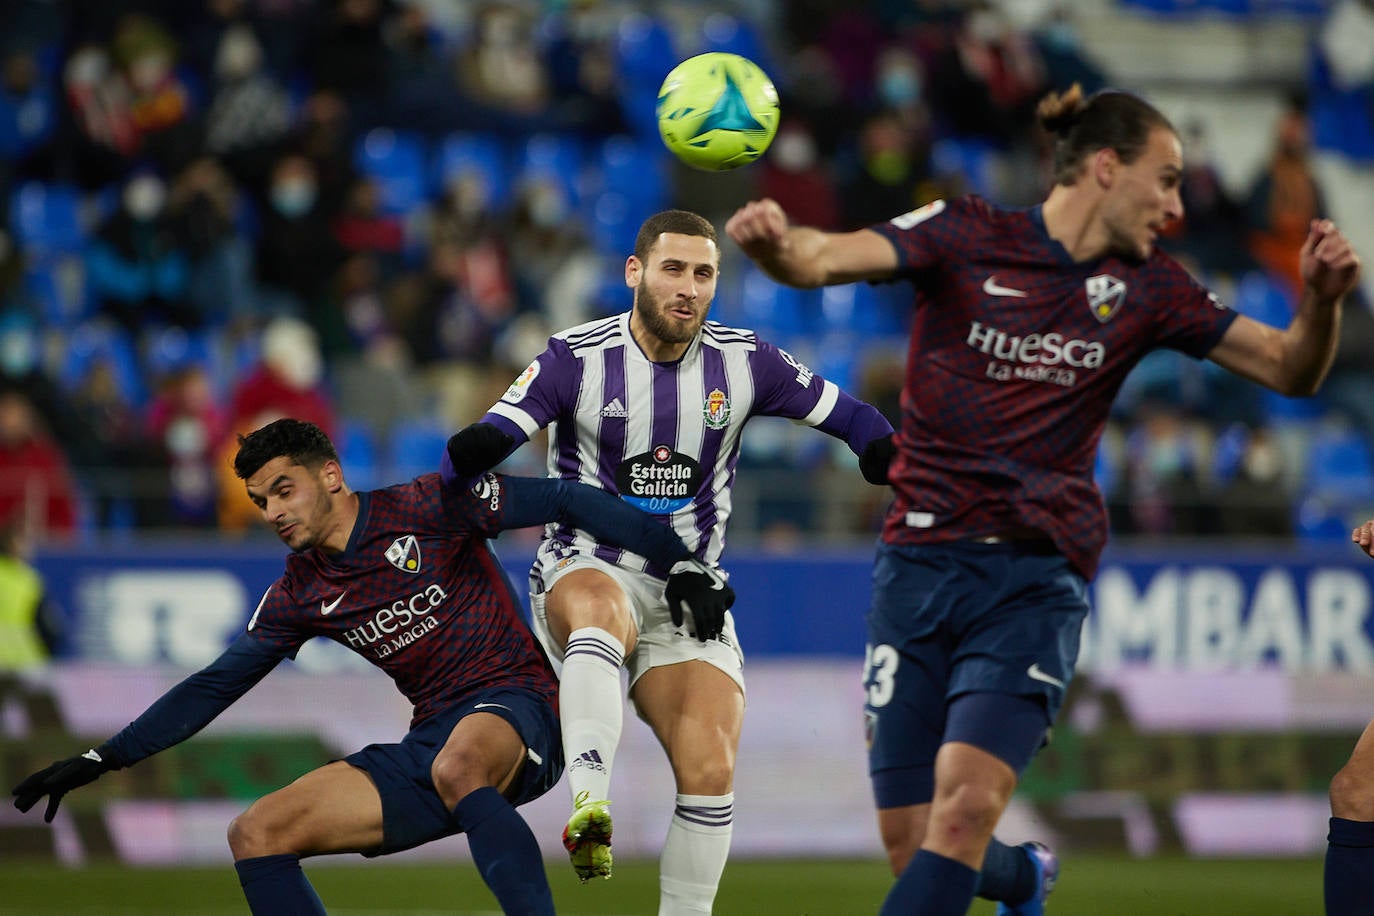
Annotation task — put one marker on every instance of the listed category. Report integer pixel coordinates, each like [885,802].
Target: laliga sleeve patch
[919,215]
[521,386]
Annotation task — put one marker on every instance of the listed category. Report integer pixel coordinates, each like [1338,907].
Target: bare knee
[1352,793]
[712,776]
[962,820]
[251,835]
[588,598]
[460,771]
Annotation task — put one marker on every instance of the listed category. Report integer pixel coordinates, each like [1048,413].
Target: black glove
[59,778]
[697,589]
[476,448]
[876,459]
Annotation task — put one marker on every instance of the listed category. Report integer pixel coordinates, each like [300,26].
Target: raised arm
[175,716]
[1294,360]
[804,256]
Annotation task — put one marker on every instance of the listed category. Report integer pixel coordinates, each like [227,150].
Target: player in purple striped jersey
[1349,868]
[650,405]
[1025,324]
[403,576]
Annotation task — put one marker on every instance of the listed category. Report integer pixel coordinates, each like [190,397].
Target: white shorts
[659,643]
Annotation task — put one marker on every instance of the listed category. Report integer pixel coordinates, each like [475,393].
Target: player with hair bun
[1026,322]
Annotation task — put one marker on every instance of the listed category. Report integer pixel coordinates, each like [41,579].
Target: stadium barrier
[1218,692]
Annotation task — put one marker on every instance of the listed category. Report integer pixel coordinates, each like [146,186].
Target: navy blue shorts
[955,619]
[412,811]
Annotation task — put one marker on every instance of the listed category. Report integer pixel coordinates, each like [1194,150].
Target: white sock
[694,854]
[591,709]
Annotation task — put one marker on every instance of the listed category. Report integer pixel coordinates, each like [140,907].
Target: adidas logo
[590,760]
[615,410]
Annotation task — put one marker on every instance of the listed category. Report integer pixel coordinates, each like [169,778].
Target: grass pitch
[1090,886]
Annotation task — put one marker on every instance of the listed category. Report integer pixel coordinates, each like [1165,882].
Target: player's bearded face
[676,287]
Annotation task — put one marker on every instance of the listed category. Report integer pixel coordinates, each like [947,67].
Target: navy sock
[276,886]
[1008,874]
[1349,879]
[505,852]
[931,885]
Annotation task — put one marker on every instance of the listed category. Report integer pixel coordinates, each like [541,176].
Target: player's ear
[332,474]
[634,269]
[1105,163]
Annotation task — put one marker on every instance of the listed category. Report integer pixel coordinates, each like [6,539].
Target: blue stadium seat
[1263,298]
[635,168]
[59,288]
[614,223]
[477,153]
[358,452]
[417,445]
[554,156]
[722,31]
[644,53]
[95,341]
[170,348]
[1318,521]
[396,160]
[46,219]
[1339,464]
[876,311]
[976,160]
[775,310]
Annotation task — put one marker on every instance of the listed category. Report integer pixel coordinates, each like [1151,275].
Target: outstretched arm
[807,257]
[692,587]
[1294,361]
[538,500]
[175,716]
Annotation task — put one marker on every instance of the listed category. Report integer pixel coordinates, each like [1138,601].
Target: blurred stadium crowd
[370,214]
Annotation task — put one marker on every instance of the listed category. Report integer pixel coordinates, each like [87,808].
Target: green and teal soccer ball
[717,111]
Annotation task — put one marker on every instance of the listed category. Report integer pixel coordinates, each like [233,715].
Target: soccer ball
[717,111]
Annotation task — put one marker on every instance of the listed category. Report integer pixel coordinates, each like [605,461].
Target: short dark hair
[678,222]
[1107,119]
[304,443]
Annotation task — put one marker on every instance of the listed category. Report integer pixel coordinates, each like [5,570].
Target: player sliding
[403,576]
[1025,324]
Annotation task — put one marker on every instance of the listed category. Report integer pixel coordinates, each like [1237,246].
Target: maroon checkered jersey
[417,592]
[1016,354]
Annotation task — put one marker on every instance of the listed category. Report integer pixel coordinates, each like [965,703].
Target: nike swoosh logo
[327,608]
[992,289]
[92,755]
[486,705]
[1035,674]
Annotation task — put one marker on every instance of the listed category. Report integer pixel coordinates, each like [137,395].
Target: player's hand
[477,448]
[1328,263]
[59,778]
[758,226]
[1364,536]
[877,458]
[697,589]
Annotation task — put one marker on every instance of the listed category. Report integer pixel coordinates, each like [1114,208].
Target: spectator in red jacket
[36,483]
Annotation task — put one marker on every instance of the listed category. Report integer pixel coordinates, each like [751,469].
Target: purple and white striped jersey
[665,437]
